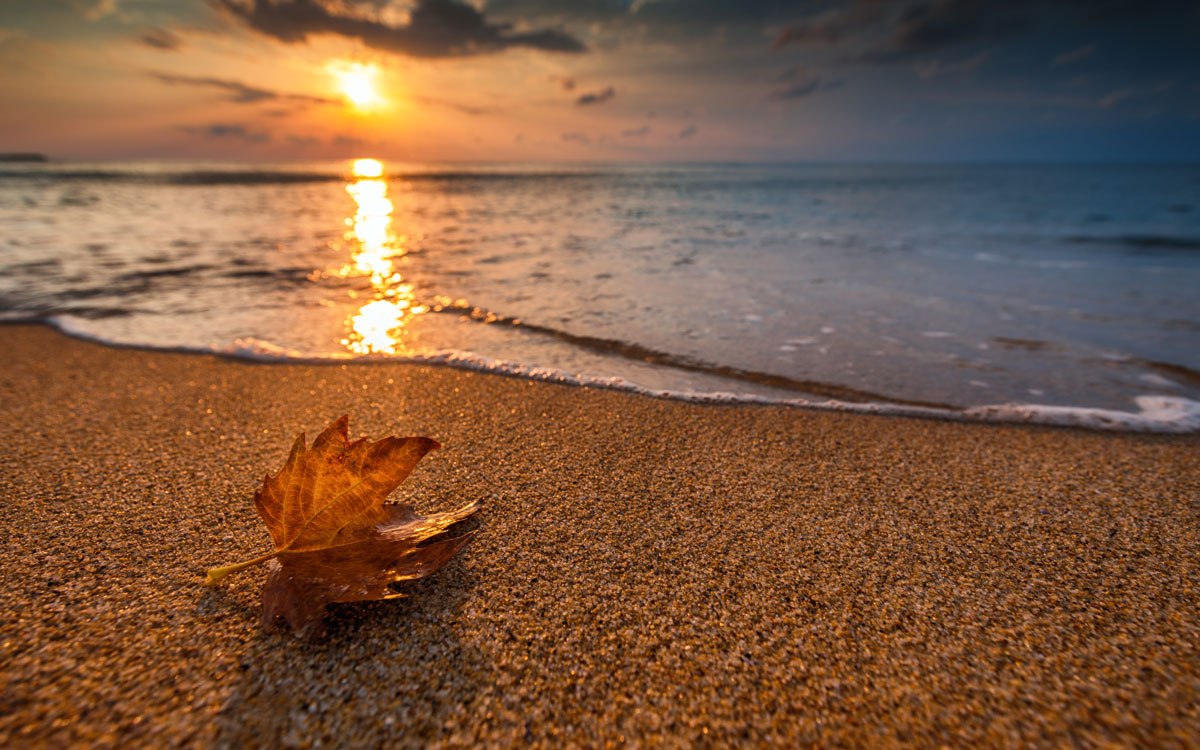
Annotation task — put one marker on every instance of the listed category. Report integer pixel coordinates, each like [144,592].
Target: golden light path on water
[378,327]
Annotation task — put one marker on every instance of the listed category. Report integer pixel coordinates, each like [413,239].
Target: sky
[603,80]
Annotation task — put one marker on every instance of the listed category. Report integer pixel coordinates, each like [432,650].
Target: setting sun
[366,168]
[358,83]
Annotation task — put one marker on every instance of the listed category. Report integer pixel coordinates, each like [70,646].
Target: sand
[650,573]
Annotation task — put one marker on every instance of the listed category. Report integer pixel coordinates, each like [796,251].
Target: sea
[1059,294]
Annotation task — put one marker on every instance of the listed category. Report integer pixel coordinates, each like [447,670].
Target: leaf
[336,539]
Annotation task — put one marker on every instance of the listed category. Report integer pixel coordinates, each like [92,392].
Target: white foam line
[1155,414]
[1159,414]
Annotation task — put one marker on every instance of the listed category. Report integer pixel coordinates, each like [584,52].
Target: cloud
[160,38]
[466,109]
[879,30]
[436,28]
[579,138]
[888,31]
[596,97]
[99,9]
[885,31]
[801,83]
[237,91]
[662,17]
[1073,56]
[930,27]
[567,83]
[688,132]
[1115,98]
[797,90]
[832,27]
[635,132]
[938,68]
[234,131]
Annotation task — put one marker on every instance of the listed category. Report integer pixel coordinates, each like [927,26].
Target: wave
[16,316]
[202,177]
[272,177]
[1139,242]
[1155,414]
[162,273]
[640,353]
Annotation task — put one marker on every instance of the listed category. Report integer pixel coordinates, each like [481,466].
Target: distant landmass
[23,157]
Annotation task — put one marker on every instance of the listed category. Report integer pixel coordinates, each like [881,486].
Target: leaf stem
[216,574]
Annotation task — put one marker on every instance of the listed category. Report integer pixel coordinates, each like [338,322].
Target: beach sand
[649,573]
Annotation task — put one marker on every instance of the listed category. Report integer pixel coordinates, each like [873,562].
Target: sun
[358,82]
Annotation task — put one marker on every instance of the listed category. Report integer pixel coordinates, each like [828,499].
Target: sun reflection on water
[378,327]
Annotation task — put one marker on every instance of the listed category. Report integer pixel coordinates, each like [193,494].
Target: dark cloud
[567,84]
[303,140]
[466,109]
[236,91]
[801,89]
[894,30]
[720,13]
[664,17]
[583,11]
[160,38]
[834,25]
[1117,10]
[930,27]
[596,97]
[884,31]
[233,131]
[688,132]
[346,140]
[695,24]
[797,90]
[436,28]
[800,82]
[635,132]
[579,138]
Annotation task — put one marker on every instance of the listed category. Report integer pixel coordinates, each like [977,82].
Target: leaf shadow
[386,673]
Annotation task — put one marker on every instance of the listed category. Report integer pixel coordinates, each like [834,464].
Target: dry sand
[650,573]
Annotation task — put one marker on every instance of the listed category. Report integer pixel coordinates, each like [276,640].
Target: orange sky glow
[226,92]
[622,80]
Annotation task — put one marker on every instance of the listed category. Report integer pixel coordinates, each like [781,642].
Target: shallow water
[942,286]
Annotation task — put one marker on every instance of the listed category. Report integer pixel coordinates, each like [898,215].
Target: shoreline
[1157,414]
[648,571]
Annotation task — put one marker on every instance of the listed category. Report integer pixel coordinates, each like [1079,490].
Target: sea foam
[1155,414]
[1159,414]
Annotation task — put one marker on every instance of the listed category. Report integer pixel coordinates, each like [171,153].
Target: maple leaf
[336,539]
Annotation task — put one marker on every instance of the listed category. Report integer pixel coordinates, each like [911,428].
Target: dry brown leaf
[336,539]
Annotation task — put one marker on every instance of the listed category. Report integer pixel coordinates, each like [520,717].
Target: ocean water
[1066,294]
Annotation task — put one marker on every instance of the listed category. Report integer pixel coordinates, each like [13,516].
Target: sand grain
[650,572]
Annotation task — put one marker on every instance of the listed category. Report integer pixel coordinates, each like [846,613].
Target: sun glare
[358,82]
[367,168]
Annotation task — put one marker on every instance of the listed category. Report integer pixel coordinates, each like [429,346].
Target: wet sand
[650,572]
